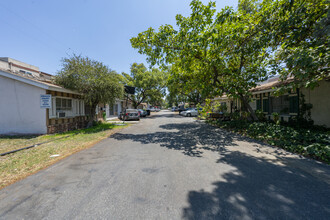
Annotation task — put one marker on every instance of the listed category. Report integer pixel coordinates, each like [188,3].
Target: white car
[189,113]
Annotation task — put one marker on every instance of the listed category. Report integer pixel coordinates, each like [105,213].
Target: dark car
[129,114]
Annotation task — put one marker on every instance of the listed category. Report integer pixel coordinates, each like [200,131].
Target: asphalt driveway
[171,167]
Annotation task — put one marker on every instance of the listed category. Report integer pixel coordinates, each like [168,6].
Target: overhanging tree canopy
[211,53]
[95,81]
[229,52]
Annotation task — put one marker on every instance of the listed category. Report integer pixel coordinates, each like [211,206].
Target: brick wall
[67,124]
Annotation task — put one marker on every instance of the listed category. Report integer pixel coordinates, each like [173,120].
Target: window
[66,107]
[280,104]
[265,105]
[258,104]
[63,104]
[294,104]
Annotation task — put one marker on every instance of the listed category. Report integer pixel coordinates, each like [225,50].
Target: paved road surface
[170,167]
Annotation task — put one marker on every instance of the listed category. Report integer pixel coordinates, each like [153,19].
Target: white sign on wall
[45,101]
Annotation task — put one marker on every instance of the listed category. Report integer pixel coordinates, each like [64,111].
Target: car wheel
[188,115]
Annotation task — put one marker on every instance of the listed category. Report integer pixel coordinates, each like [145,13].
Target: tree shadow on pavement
[164,115]
[260,189]
[190,138]
[255,187]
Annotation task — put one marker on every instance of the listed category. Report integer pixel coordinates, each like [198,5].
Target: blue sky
[41,32]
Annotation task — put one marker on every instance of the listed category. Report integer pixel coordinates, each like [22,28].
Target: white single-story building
[31,104]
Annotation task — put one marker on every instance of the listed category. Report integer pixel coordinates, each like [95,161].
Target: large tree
[149,84]
[94,80]
[300,31]
[212,53]
[231,51]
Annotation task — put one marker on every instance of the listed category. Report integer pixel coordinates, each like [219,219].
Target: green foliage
[245,115]
[300,40]
[211,53]
[309,143]
[260,115]
[276,117]
[149,84]
[104,115]
[207,108]
[229,51]
[218,107]
[95,81]
[235,116]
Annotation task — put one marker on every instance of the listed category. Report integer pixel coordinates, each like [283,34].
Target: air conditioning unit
[61,114]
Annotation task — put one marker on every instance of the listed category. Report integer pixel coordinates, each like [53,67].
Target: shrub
[276,117]
[260,115]
[314,144]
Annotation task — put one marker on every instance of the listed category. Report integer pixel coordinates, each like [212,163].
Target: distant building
[32,104]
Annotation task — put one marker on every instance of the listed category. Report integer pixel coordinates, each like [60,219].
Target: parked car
[174,109]
[190,112]
[181,109]
[143,113]
[129,114]
[154,109]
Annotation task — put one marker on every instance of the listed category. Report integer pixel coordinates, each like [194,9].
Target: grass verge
[307,142]
[21,164]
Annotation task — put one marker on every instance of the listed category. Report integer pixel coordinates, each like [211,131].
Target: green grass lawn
[18,165]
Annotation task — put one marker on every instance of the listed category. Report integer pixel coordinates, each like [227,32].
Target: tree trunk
[136,104]
[248,108]
[91,115]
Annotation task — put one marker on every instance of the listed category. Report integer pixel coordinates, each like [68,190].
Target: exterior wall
[74,118]
[265,101]
[100,108]
[143,106]
[20,111]
[59,125]
[319,97]
[127,104]
[77,105]
[16,66]
[116,111]
[4,65]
